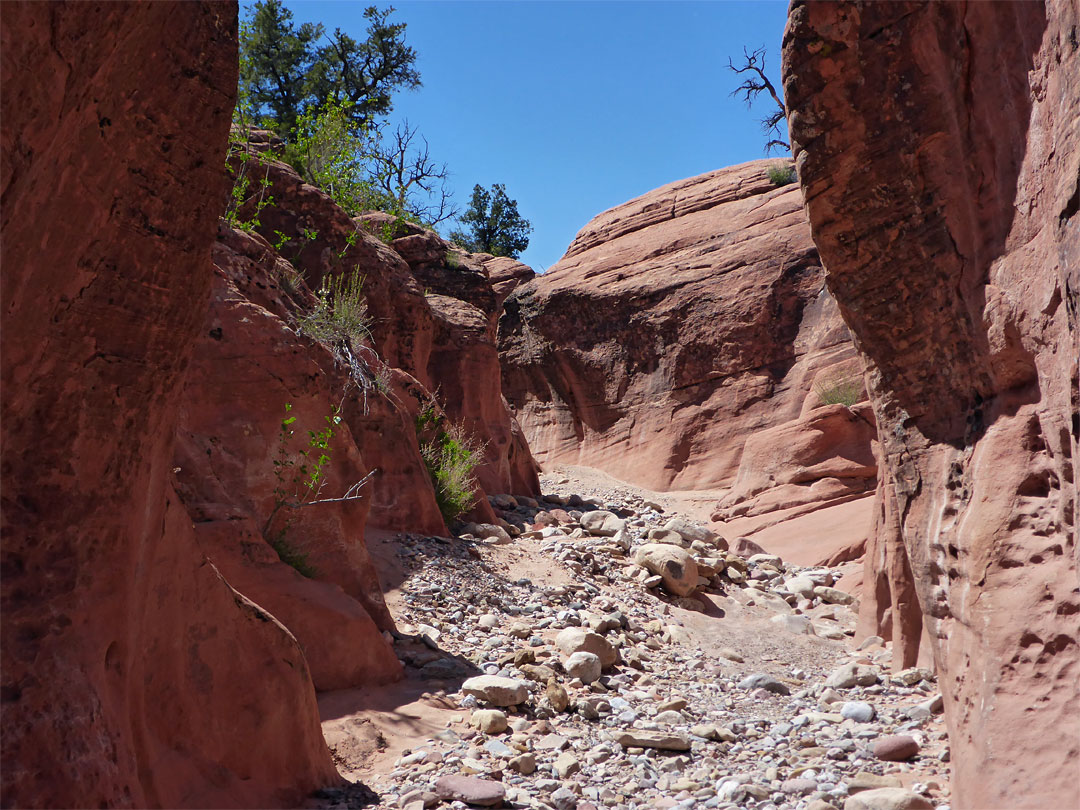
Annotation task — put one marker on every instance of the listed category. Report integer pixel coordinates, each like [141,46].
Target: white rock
[496,690]
[583,665]
[577,639]
[675,566]
[803,586]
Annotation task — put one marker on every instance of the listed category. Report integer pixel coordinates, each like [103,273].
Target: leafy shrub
[844,390]
[248,192]
[451,456]
[340,316]
[330,151]
[299,480]
[781,174]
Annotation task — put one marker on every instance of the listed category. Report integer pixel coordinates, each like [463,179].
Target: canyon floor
[752,694]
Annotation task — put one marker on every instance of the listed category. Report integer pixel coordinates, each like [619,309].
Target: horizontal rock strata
[675,326]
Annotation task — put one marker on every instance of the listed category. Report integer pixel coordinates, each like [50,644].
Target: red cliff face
[431,339]
[133,674]
[434,313]
[938,147]
[675,326]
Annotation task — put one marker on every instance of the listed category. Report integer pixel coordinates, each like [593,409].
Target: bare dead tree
[755,84]
[407,175]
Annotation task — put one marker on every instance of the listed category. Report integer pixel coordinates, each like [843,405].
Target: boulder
[887,799]
[762,681]
[489,721]
[833,596]
[576,639]
[667,536]
[675,566]
[745,547]
[470,790]
[583,665]
[896,748]
[849,675]
[497,690]
[602,523]
[652,739]
[488,531]
[691,532]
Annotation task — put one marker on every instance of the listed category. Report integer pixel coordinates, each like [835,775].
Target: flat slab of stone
[887,799]
[496,690]
[864,780]
[471,790]
[652,739]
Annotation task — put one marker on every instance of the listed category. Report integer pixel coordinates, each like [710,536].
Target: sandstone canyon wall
[677,325]
[938,147]
[167,621]
[431,341]
[133,674]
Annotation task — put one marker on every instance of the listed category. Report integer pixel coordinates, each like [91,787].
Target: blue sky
[576,106]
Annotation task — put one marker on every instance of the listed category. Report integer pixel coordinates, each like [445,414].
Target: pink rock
[133,673]
[745,547]
[471,790]
[896,748]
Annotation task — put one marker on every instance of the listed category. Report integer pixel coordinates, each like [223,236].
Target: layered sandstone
[938,147]
[133,673]
[676,325]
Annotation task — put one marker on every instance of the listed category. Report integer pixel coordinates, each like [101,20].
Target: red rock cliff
[675,325]
[133,674]
[938,147]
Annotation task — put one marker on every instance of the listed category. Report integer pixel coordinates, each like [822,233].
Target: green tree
[494,224]
[331,152]
[286,72]
[365,73]
[275,60]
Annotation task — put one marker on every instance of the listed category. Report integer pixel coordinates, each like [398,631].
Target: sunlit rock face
[676,325]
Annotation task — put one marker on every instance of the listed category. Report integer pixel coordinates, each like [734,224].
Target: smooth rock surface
[496,690]
[645,352]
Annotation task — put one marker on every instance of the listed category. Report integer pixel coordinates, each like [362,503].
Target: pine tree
[286,72]
[495,226]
